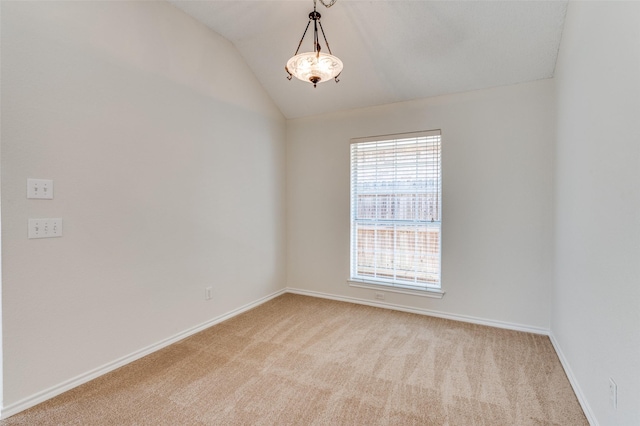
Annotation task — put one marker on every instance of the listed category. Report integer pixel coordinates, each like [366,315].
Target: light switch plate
[45,228]
[40,188]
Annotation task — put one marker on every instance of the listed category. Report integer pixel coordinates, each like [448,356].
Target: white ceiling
[392,50]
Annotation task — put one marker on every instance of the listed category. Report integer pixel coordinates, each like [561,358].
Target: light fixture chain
[331,3]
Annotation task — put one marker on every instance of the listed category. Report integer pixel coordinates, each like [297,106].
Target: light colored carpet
[301,360]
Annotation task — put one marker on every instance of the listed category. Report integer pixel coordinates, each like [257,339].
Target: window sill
[430,292]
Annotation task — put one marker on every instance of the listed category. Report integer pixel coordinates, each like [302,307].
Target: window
[396,207]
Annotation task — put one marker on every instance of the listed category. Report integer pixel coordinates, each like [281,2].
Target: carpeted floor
[301,360]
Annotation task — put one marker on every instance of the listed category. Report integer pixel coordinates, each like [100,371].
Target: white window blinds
[396,199]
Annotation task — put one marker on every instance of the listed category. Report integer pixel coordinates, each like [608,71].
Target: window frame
[391,284]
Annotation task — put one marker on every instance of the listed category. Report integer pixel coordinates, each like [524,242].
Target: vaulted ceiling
[392,50]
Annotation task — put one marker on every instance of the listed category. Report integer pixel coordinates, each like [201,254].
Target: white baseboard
[591,418]
[429,312]
[56,390]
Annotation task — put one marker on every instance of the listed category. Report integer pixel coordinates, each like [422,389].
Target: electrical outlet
[45,228]
[379,296]
[208,293]
[40,188]
[613,394]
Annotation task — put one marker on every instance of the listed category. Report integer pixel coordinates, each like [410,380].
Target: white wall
[168,164]
[498,147]
[596,311]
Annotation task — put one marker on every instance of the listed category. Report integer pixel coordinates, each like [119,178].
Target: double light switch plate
[40,188]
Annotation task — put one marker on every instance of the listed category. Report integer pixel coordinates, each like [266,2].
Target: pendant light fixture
[314,67]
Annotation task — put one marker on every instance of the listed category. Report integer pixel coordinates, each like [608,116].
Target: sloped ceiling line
[392,50]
